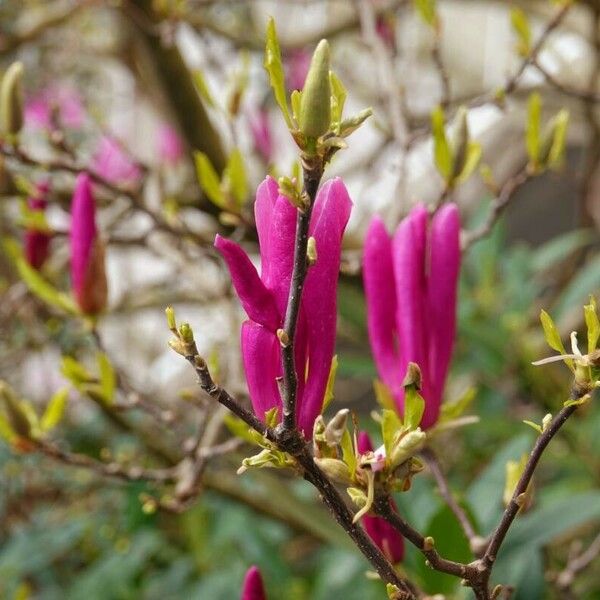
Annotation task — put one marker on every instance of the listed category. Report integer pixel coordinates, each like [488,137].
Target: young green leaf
[35,282]
[330,383]
[6,431]
[75,372]
[471,161]
[426,9]
[348,452]
[532,129]
[274,68]
[383,395]
[414,406]
[441,148]
[107,377]
[202,87]
[390,426]
[592,324]
[209,180]
[55,410]
[235,174]
[559,125]
[552,336]
[338,98]
[520,25]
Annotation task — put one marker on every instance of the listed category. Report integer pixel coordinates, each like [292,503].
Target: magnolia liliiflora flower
[410,284]
[169,145]
[37,241]
[253,587]
[265,297]
[112,163]
[260,129]
[390,542]
[88,278]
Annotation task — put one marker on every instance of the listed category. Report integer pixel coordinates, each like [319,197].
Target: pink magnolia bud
[88,277]
[296,65]
[388,540]
[261,134]
[384,27]
[58,105]
[169,145]
[410,285]
[112,163]
[253,587]
[264,297]
[37,243]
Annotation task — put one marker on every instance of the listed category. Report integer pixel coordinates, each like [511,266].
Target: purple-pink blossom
[260,128]
[296,68]
[388,540]
[169,144]
[58,105]
[411,284]
[253,587]
[112,163]
[37,242]
[88,278]
[264,297]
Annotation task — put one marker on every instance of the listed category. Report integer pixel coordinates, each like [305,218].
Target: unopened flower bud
[311,251]
[406,446]
[11,100]
[460,142]
[335,469]
[315,105]
[16,415]
[170,313]
[413,376]
[336,427]
[186,333]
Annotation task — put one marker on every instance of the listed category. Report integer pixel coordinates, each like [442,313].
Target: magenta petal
[253,587]
[364,442]
[255,298]
[387,539]
[266,196]
[330,215]
[380,291]
[261,355]
[441,300]
[83,230]
[409,251]
[278,258]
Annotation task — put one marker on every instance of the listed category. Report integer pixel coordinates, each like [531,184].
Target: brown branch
[111,469]
[289,441]
[436,54]
[587,96]
[576,564]
[313,171]
[514,505]
[444,489]
[498,205]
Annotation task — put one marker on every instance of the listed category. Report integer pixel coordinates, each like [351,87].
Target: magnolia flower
[253,587]
[88,277]
[37,242]
[112,163]
[390,542]
[260,129]
[264,298]
[62,103]
[296,68]
[410,285]
[169,144]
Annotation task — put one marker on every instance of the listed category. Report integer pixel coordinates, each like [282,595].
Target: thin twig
[498,205]
[444,489]
[313,171]
[578,563]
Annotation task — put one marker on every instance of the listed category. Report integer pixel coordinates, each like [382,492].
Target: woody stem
[312,172]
